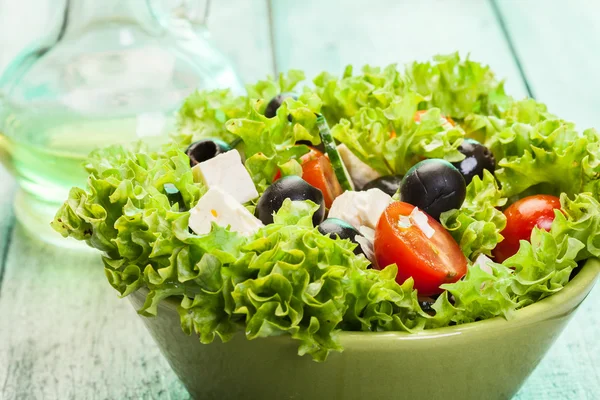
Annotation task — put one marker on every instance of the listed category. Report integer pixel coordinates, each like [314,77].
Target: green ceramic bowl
[483,360]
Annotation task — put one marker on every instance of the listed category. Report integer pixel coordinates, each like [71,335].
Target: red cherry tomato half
[521,217]
[431,262]
[318,172]
[419,113]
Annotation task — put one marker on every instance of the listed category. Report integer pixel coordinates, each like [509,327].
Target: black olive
[426,304]
[434,186]
[174,195]
[293,188]
[320,146]
[205,149]
[334,227]
[388,184]
[477,158]
[276,102]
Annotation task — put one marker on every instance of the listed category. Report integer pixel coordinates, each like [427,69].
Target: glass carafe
[113,72]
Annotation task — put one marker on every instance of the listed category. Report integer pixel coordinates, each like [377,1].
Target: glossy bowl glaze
[482,360]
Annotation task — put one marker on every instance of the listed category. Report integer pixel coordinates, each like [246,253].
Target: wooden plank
[557,43]
[318,35]
[66,335]
[553,40]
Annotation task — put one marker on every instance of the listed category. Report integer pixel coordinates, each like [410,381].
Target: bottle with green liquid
[112,72]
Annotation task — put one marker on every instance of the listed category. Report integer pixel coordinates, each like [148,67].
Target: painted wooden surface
[64,334]
[316,35]
[557,43]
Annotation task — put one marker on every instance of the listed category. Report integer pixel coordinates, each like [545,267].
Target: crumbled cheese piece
[360,208]
[404,222]
[227,171]
[420,220]
[223,209]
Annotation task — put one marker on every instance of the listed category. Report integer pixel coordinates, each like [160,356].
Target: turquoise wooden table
[64,334]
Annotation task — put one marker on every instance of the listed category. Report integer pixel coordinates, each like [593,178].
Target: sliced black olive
[335,227]
[276,102]
[174,195]
[206,149]
[477,158]
[293,188]
[388,184]
[434,186]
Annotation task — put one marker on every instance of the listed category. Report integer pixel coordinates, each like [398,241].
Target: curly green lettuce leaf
[538,153]
[549,157]
[283,282]
[269,88]
[270,143]
[204,114]
[541,267]
[479,295]
[376,302]
[457,87]
[476,226]
[579,218]
[391,142]
[487,128]
[345,97]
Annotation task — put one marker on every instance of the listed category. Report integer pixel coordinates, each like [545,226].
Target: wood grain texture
[557,43]
[66,335]
[316,35]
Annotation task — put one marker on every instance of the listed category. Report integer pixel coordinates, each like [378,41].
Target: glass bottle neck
[81,15]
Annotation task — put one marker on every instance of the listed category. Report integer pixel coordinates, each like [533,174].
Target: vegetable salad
[382,200]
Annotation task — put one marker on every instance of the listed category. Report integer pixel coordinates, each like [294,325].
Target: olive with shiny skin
[335,227]
[276,102]
[477,158]
[205,149]
[434,186]
[388,184]
[293,188]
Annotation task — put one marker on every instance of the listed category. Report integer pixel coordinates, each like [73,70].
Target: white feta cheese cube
[360,208]
[228,173]
[223,209]
[360,172]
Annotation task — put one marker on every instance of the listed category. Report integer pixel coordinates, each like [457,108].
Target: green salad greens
[288,278]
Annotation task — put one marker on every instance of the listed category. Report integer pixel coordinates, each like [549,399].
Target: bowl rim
[557,305]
